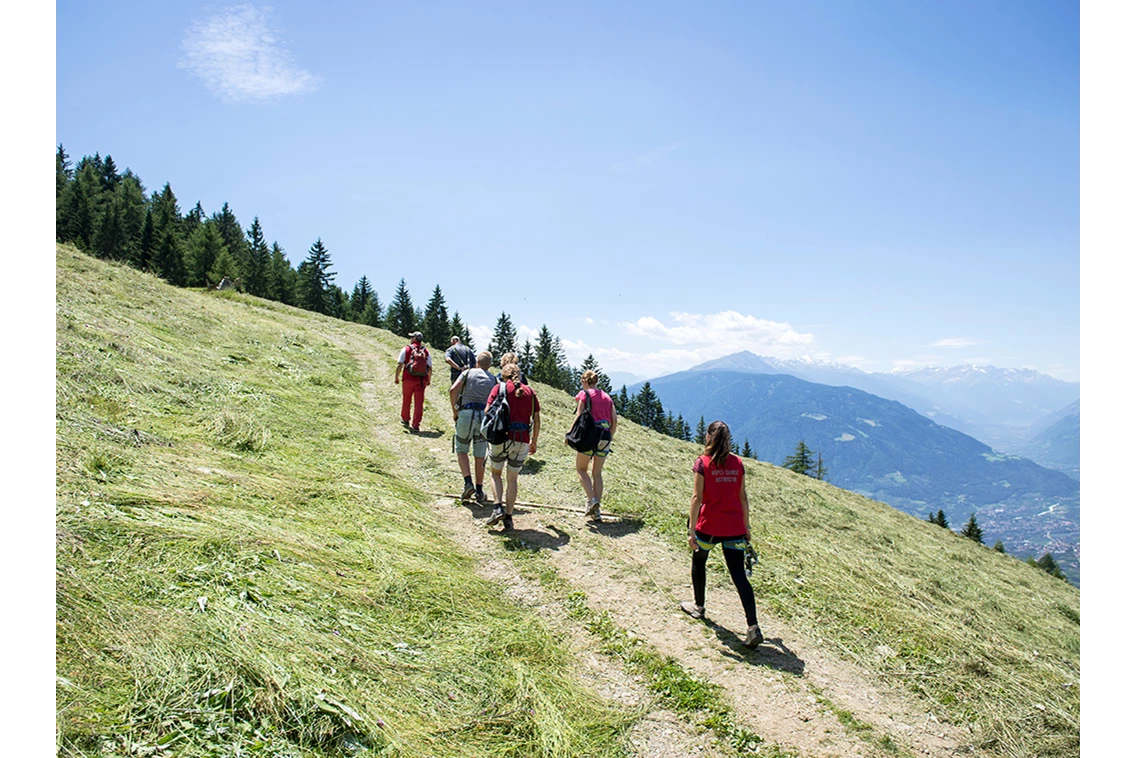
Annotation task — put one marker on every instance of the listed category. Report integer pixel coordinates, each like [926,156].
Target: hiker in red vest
[523,408]
[720,512]
[414,368]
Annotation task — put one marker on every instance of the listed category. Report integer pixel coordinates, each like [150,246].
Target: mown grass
[238,570]
[984,640]
[146,382]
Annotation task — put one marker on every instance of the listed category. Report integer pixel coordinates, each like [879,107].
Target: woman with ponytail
[720,512]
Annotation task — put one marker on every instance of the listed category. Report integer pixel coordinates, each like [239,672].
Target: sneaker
[480,495]
[468,492]
[497,515]
[593,512]
[694,611]
[507,523]
[753,636]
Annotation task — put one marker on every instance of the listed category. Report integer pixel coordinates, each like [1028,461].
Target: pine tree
[504,338]
[131,197]
[459,328]
[63,175]
[109,178]
[202,250]
[746,451]
[820,471]
[108,237]
[602,380]
[234,237]
[620,401]
[1050,566]
[255,276]
[734,446]
[192,220]
[168,262]
[80,205]
[280,276]
[801,460]
[146,245]
[315,280]
[401,312]
[972,531]
[998,547]
[701,431]
[361,296]
[526,357]
[436,321]
[167,216]
[939,519]
[647,409]
[223,266]
[682,429]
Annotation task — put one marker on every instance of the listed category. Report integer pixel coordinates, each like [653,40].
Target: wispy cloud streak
[241,59]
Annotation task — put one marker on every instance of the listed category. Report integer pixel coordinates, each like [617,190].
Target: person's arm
[456,391]
[693,515]
[536,429]
[612,428]
[745,502]
[399,365]
[450,361]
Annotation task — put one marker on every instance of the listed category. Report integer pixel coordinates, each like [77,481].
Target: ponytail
[718,442]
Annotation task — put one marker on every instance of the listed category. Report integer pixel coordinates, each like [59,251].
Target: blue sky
[887,184]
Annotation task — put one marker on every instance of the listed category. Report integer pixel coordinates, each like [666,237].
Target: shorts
[467,429]
[512,450]
[604,446]
[706,541]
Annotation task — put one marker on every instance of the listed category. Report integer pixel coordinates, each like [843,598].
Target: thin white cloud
[241,59]
[729,330]
[655,155]
[955,342]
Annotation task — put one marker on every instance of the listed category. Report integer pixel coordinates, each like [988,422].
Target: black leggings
[735,562]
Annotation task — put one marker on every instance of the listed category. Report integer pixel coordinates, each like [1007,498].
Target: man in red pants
[414,367]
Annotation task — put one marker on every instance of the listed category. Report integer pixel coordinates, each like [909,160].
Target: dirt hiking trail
[776,690]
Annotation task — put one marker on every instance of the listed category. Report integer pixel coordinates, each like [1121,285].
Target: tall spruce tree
[620,400]
[259,261]
[168,262]
[401,312]
[458,327]
[801,460]
[147,244]
[1050,566]
[746,451]
[701,431]
[192,220]
[202,250]
[234,236]
[504,338]
[281,277]
[361,295]
[972,531]
[819,471]
[315,280]
[649,409]
[602,380]
[63,176]
[938,518]
[436,321]
[223,266]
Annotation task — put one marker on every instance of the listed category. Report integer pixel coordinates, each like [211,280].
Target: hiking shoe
[468,492]
[507,523]
[406,423]
[497,515]
[593,512]
[694,611]
[480,495]
[414,429]
[753,636]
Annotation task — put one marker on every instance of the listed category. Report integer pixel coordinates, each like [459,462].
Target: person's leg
[464,464]
[598,476]
[511,488]
[419,396]
[408,390]
[582,472]
[699,576]
[479,468]
[736,563]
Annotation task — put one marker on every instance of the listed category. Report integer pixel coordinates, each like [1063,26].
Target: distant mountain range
[882,448]
[995,405]
[1055,441]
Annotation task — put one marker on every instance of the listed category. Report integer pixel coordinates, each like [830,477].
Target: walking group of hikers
[499,417]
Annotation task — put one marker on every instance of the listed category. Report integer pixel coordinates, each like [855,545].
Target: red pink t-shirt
[721,512]
[521,409]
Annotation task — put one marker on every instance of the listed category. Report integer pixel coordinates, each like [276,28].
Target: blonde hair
[485,359]
[512,372]
[508,358]
[589,378]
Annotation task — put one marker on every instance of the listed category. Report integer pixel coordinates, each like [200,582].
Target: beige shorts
[511,450]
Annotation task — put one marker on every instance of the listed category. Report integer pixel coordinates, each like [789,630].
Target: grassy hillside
[241,563]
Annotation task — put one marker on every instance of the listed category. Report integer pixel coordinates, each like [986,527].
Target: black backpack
[495,422]
[584,435]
